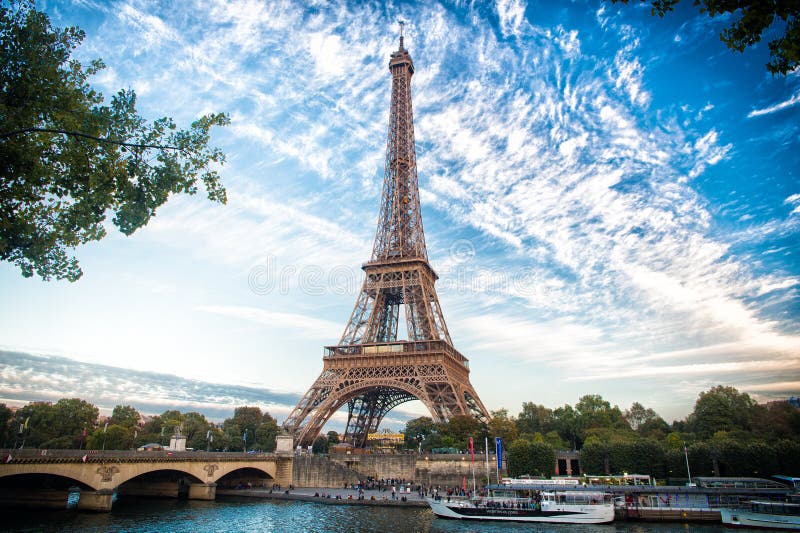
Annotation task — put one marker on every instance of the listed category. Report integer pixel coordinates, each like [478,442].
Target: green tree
[776,420]
[594,456]
[655,428]
[267,433]
[501,425]
[535,419]
[114,438]
[73,415]
[195,428]
[320,445]
[595,412]
[66,159]
[638,415]
[418,430]
[260,429]
[333,437]
[520,458]
[460,428]
[6,429]
[751,18]
[543,459]
[721,409]
[58,425]
[569,425]
[555,441]
[787,452]
[125,416]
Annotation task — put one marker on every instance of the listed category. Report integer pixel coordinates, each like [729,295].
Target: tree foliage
[6,429]
[751,19]
[67,159]
[503,426]
[320,444]
[252,428]
[125,416]
[418,430]
[115,437]
[58,425]
[721,409]
[534,418]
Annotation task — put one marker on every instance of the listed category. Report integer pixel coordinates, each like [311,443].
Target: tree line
[72,423]
[726,434]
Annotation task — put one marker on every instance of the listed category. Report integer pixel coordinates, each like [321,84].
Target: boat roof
[651,489]
[738,482]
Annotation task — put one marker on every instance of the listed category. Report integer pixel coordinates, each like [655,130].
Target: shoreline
[345,496]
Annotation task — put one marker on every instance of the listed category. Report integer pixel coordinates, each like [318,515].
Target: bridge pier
[99,501]
[202,491]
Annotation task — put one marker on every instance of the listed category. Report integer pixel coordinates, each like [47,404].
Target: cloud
[308,326]
[775,108]
[25,377]
[599,230]
[512,16]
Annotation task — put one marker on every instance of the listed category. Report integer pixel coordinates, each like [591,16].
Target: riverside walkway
[330,496]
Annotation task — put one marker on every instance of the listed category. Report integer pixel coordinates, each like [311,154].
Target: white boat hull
[745,518]
[552,514]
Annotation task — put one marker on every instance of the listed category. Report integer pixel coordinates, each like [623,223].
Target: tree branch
[86,136]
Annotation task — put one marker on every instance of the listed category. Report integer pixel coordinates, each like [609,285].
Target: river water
[287,516]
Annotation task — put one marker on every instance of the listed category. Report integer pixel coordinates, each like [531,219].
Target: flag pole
[498,445]
[688,471]
[472,454]
[486,449]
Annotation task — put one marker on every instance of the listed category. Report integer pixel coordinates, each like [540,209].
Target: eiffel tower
[370,370]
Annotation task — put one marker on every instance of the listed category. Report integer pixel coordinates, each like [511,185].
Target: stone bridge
[46,477]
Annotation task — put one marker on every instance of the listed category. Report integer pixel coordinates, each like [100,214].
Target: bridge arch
[138,470]
[81,476]
[247,474]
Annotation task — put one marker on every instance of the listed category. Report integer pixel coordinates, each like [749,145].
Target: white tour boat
[558,507]
[764,514]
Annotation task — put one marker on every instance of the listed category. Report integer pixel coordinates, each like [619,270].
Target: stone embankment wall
[321,471]
[429,469]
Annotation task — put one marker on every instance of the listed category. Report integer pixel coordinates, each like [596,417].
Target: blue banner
[498,448]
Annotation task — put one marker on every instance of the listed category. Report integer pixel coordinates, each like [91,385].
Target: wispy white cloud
[309,326]
[794,99]
[597,242]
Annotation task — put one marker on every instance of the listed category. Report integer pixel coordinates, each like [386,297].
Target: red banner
[472,450]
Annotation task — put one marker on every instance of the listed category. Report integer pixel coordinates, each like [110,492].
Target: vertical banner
[498,445]
[472,455]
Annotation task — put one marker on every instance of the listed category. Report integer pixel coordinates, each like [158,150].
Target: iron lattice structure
[370,369]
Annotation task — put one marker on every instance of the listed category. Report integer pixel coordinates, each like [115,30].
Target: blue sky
[611,201]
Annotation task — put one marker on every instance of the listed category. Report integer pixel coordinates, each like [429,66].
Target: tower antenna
[402,24]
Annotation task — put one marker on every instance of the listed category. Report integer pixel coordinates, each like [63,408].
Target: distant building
[385,440]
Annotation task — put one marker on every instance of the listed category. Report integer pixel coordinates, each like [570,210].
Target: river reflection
[290,517]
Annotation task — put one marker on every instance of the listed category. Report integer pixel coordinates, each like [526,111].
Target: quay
[329,496]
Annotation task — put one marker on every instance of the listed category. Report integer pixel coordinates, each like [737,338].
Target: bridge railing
[94,455]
